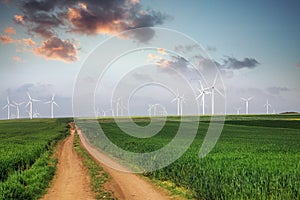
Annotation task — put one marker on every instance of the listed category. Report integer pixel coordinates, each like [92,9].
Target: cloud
[186,48]
[6,39]
[86,16]
[50,18]
[10,31]
[161,51]
[211,48]
[298,64]
[277,90]
[28,42]
[233,63]
[19,19]
[16,58]
[57,49]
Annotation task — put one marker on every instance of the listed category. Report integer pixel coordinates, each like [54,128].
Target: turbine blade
[58,105]
[28,95]
[218,91]
[243,99]
[27,104]
[250,98]
[214,83]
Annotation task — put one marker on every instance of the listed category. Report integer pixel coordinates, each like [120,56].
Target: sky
[252,47]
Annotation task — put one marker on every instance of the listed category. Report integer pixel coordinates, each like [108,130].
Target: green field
[26,162]
[256,157]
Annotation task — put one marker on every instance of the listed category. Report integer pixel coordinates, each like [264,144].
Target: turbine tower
[202,94]
[30,104]
[247,103]
[267,105]
[213,89]
[18,108]
[8,105]
[52,103]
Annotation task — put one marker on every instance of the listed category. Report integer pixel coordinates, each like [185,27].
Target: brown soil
[71,181]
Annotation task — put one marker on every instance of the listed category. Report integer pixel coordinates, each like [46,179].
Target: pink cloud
[28,42]
[17,58]
[6,39]
[19,19]
[57,49]
[298,65]
[10,30]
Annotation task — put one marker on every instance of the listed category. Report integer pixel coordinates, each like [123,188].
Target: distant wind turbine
[52,103]
[202,94]
[150,107]
[267,105]
[30,104]
[18,108]
[238,110]
[8,105]
[213,88]
[36,114]
[247,103]
[180,101]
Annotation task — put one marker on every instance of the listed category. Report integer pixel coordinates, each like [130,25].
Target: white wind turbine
[36,114]
[52,103]
[213,89]
[8,105]
[202,94]
[30,104]
[150,107]
[238,110]
[18,108]
[267,105]
[247,103]
[180,100]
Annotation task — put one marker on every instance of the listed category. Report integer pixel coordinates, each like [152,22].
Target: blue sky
[255,45]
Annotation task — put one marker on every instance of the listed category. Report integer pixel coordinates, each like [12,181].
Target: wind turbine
[202,94]
[150,107]
[104,113]
[18,108]
[52,103]
[267,105]
[247,103]
[36,114]
[8,105]
[180,100]
[213,88]
[238,110]
[30,104]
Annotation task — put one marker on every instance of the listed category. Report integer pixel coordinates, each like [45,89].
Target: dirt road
[125,185]
[71,181]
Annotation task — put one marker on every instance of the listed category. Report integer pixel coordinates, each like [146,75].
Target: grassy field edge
[97,175]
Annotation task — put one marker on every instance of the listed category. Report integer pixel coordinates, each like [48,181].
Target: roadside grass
[27,162]
[97,175]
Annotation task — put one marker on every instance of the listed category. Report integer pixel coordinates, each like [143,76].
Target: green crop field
[256,157]
[26,163]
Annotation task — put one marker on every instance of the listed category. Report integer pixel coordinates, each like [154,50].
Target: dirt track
[125,185]
[71,181]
